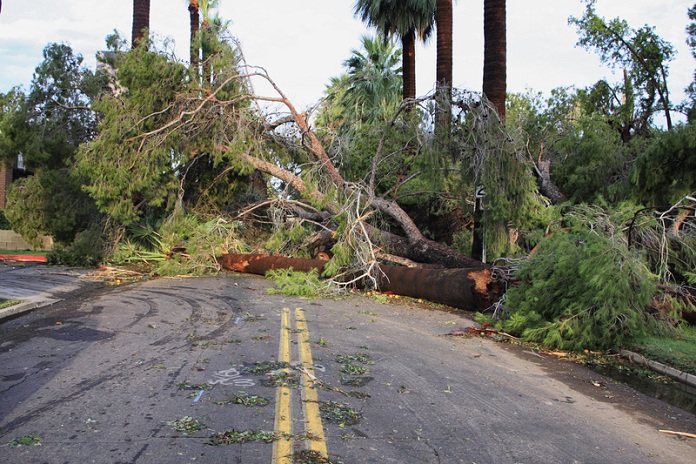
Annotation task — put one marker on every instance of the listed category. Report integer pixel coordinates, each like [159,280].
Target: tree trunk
[141,21]
[408,42]
[469,289]
[494,55]
[443,18]
[546,186]
[194,25]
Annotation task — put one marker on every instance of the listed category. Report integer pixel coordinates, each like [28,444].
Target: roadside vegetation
[583,200]
[6,303]
[677,350]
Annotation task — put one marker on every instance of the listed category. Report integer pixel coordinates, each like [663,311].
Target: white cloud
[303,43]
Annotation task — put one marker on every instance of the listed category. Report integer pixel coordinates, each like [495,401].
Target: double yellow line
[283,448]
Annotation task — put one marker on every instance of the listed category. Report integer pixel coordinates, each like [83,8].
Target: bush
[4,223]
[86,251]
[582,289]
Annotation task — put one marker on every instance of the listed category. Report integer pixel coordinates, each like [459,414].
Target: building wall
[10,240]
[5,181]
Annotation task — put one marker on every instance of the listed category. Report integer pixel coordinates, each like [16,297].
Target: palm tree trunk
[444,44]
[494,55]
[141,21]
[194,20]
[408,42]
[443,19]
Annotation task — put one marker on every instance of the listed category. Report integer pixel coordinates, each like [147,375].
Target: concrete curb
[28,304]
[676,374]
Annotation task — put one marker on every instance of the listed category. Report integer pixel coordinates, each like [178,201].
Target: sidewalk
[37,285]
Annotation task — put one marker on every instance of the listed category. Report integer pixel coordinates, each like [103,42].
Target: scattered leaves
[232,437]
[339,413]
[186,424]
[27,440]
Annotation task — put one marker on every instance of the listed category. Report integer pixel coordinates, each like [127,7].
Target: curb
[32,258]
[25,307]
[676,374]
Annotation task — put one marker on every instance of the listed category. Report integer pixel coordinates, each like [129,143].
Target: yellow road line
[282,448]
[311,401]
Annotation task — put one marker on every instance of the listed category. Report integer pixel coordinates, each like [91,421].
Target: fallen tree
[469,289]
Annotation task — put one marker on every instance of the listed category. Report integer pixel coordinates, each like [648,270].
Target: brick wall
[5,180]
[10,240]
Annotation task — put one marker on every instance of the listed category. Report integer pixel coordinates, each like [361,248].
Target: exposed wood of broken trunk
[469,289]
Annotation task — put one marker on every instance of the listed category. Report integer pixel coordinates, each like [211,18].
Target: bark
[546,186]
[468,289]
[443,19]
[494,55]
[408,42]
[194,25]
[141,21]
[260,263]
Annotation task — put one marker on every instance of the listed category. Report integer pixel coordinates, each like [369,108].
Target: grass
[678,350]
[24,252]
[5,303]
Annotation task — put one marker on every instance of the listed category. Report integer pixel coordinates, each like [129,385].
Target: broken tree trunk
[470,289]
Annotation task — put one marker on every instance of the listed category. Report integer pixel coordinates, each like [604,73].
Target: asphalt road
[129,373]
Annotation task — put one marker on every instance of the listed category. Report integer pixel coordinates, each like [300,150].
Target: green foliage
[4,223]
[51,203]
[87,250]
[493,157]
[50,123]
[641,53]
[291,283]
[369,91]
[46,127]
[181,245]
[666,170]
[592,161]
[289,240]
[582,289]
[127,171]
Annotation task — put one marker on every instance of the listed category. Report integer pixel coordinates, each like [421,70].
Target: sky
[303,43]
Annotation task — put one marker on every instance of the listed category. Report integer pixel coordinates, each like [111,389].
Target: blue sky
[302,43]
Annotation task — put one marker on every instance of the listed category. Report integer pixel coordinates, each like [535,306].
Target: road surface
[152,373]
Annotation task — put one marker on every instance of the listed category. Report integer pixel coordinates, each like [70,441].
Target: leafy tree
[126,174]
[11,113]
[47,126]
[407,19]
[641,53]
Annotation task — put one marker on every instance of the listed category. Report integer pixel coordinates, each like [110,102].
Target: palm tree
[406,19]
[443,20]
[494,54]
[141,21]
[373,85]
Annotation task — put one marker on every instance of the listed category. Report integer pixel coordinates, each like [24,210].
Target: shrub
[4,223]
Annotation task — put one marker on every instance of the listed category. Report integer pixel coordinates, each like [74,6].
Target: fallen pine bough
[470,289]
